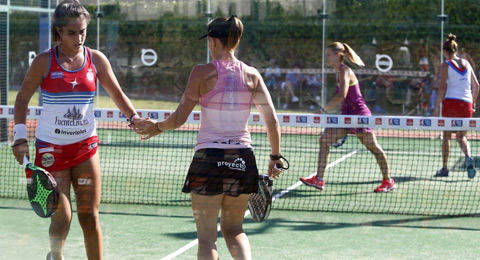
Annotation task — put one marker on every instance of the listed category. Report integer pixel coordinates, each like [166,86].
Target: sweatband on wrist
[19,132]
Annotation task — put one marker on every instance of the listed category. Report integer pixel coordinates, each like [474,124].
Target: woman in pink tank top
[350,98]
[223,173]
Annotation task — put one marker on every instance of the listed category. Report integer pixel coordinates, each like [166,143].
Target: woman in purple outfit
[352,102]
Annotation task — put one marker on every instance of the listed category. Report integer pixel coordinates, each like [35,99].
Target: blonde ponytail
[352,56]
[346,53]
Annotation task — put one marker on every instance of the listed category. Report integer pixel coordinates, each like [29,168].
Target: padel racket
[340,141]
[260,203]
[42,190]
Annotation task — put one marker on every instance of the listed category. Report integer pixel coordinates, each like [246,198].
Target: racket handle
[278,167]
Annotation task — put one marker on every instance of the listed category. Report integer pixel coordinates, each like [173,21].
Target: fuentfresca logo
[237,165]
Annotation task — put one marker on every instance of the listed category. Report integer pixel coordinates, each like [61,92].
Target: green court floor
[152,232]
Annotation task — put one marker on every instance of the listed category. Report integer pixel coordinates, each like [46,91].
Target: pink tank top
[226,109]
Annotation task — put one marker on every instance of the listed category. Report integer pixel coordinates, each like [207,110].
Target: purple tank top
[353,104]
[226,109]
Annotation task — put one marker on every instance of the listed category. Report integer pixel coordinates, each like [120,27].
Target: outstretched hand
[146,127]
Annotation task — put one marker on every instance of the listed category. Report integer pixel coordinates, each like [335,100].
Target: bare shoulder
[203,72]
[42,59]
[251,73]
[41,63]
[98,56]
[345,70]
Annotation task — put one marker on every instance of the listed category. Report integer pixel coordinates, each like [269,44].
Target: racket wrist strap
[19,132]
[275,157]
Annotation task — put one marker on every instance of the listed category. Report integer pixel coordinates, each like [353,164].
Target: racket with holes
[260,203]
[42,189]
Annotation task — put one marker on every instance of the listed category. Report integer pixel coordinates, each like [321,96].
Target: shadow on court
[308,226]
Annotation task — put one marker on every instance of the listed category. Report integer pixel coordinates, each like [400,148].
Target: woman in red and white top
[223,173]
[66,138]
[458,93]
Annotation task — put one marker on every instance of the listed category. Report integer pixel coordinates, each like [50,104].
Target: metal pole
[441,32]
[208,14]
[324,17]
[99,15]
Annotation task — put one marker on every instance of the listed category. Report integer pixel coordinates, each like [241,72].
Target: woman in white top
[223,173]
[458,94]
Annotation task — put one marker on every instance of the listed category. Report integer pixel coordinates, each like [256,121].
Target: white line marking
[278,195]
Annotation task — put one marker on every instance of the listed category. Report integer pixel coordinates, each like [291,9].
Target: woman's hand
[19,149]
[275,168]
[147,128]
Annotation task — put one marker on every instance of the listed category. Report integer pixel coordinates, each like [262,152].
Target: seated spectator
[313,83]
[272,75]
[417,89]
[293,80]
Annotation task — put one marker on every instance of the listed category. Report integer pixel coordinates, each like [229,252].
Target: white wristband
[20,132]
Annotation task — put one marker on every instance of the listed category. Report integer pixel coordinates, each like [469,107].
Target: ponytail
[346,53]
[450,45]
[235,32]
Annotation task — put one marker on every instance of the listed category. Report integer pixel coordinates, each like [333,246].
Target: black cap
[217,30]
[214,34]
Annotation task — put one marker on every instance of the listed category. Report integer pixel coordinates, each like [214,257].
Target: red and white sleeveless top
[226,109]
[459,81]
[68,114]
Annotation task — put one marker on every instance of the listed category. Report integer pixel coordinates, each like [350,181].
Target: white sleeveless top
[459,82]
[226,109]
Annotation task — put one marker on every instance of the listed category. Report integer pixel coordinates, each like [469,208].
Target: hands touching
[146,127]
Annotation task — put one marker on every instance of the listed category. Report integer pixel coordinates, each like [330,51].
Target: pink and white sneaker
[386,186]
[313,182]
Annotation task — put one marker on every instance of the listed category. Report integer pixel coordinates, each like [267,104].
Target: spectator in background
[293,81]
[418,89]
[272,75]
[313,83]
[432,98]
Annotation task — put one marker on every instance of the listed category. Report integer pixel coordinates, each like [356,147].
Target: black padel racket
[260,203]
[42,189]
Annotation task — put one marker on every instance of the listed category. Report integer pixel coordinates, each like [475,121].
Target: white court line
[278,195]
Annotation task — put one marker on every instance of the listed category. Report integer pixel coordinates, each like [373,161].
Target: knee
[89,220]
[207,242]
[231,232]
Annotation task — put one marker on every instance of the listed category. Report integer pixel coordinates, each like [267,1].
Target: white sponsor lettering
[46,149]
[238,164]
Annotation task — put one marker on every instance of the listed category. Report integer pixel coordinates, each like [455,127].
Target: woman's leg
[329,136]
[233,213]
[369,140]
[447,135]
[461,137]
[60,221]
[87,186]
[205,211]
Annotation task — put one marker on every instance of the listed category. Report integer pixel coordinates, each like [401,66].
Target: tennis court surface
[141,178]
